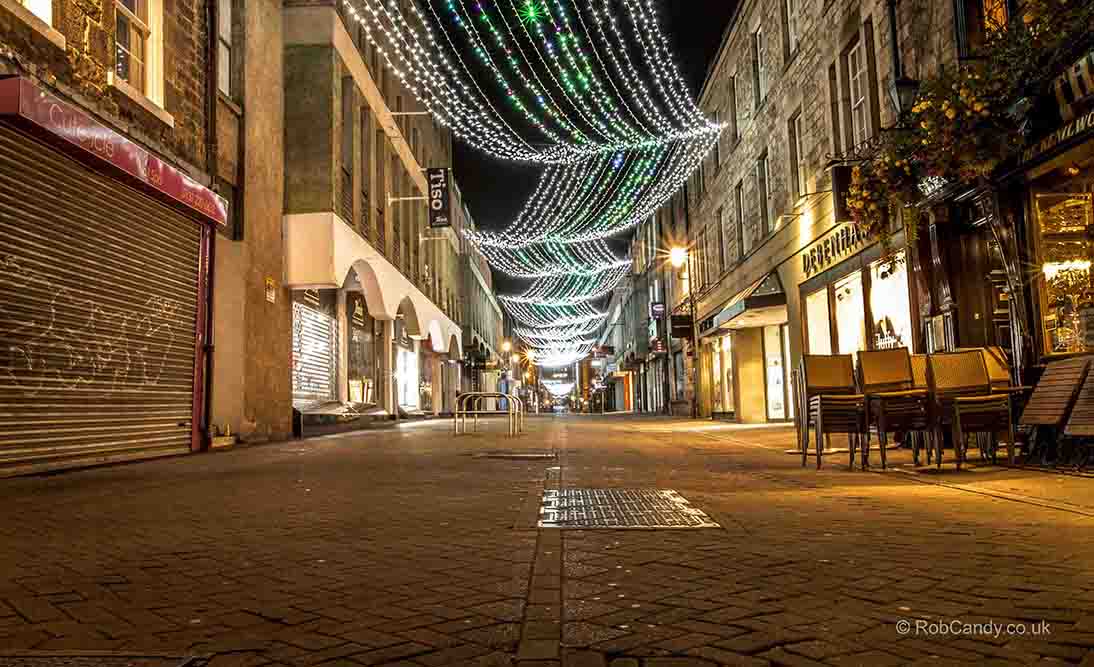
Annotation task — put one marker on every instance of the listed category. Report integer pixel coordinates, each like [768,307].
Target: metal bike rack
[471,404]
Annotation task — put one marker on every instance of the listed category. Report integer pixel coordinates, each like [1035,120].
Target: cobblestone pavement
[410,547]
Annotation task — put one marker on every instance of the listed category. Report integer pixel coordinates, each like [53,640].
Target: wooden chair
[1080,424]
[893,403]
[999,375]
[963,399]
[1051,403]
[834,404]
[922,439]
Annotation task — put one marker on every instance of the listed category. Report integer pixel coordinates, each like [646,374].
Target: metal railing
[470,404]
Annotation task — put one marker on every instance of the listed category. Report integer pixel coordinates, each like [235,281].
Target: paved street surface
[410,547]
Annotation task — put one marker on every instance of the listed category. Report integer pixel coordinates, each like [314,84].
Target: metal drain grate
[619,509]
[94,659]
[515,456]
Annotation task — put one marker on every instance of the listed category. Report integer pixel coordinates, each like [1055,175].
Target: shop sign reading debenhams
[844,242]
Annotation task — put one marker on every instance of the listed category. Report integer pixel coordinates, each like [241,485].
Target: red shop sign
[24,100]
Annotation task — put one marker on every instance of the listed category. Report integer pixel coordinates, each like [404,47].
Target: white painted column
[387,366]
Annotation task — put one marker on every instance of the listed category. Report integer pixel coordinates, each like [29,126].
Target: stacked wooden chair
[893,402]
[964,401]
[833,403]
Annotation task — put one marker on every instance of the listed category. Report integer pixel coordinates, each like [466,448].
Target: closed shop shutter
[98,312]
[314,342]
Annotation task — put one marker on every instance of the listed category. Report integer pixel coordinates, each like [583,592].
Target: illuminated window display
[889,303]
[850,314]
[1066,293]
[361,369]
[817,322]
[835,314]
[721,371]
[775,372]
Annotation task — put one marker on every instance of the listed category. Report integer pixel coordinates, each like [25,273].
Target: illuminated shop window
[817,324]
[1067,296]
[889,303]
[850,309]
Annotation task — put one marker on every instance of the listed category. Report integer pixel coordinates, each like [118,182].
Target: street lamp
[506,346]
[678,257]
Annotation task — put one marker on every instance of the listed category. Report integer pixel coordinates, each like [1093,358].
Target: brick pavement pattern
[401,547]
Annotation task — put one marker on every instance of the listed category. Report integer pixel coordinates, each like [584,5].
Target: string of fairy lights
[589,90]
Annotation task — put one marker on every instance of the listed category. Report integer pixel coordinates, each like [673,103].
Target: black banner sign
[439,181]
[681,326]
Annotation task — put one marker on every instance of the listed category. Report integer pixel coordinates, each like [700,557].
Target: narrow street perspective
[546,333]
[419,548]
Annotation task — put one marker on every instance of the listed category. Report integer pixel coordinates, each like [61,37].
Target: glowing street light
[506,346]
[678,256]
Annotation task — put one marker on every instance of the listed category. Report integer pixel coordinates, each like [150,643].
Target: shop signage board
[271,290]
[1075,86]
[657,309]
[24,100]
[1076,129]
[681,326]
[847,240]
[439,181]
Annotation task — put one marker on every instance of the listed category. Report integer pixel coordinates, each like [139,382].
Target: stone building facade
[109,217]
[799,84]
[357,239]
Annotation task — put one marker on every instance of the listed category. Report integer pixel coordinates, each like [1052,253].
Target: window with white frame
[734,109]
[138,46]
[224,46]
[798,172]
[718,142]
[858,84]
[744,240]
[759,73]
[763,194]
[791,25]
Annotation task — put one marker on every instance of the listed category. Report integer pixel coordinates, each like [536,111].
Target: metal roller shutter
[98,309]
[314,341]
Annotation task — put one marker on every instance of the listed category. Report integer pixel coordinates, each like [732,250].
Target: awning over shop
[322,251]
[762,303]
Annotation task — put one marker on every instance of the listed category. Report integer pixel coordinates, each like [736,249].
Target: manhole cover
[515,456]
[619,508]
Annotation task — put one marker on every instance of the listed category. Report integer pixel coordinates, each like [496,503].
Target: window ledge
[39,26]
[232,105]
[124,87]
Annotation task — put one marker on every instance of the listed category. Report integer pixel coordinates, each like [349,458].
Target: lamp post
[679,257]
[902,90]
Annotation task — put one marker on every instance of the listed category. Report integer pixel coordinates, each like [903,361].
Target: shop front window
[850,314]
[774,372]
[361,370]
[728,403]
[716,376]
[1067,294]
[818,327]
[678,370]
[406,375]
[786,370]
[890,304]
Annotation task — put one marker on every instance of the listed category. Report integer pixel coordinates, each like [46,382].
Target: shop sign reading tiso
[844,242]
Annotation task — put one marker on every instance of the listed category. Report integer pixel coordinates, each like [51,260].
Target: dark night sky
[495,190]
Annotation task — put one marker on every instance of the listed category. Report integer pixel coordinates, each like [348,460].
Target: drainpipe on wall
[211,168]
